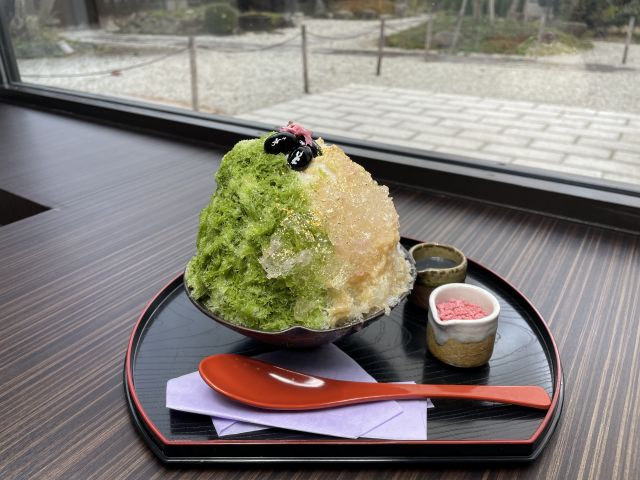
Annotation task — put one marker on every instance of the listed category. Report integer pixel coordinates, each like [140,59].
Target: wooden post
[305,71]
[428,34]
[194,74]
[456,33]
[380,47]
[492,11]
[632,26]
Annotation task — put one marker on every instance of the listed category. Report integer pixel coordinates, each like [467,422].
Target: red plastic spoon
[267,386]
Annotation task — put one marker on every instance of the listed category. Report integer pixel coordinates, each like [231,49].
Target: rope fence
[345,37]
[240,48]
[109,71]
[401,28]
[385,25]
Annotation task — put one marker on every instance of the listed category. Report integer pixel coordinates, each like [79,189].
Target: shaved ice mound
[281,245]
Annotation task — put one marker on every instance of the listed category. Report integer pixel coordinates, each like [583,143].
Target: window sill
[586,200]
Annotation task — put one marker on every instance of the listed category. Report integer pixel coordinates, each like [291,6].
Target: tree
[38,10]
[513,9]
[456,33]
[477,9]
[600,13]
[45,8]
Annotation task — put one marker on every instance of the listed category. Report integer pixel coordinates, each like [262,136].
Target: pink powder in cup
[459,310]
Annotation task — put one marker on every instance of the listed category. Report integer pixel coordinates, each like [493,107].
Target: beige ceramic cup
[462,343]
[429,278]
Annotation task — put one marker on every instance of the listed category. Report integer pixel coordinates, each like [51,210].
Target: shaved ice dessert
[296,234]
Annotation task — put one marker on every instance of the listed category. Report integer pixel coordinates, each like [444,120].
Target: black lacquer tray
[172,336]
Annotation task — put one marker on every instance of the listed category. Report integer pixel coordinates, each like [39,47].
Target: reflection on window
[538,84]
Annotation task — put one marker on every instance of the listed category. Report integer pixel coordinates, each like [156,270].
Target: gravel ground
[235,77]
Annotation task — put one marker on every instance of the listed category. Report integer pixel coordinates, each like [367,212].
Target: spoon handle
[526,395]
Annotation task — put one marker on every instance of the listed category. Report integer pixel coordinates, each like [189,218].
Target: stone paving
[565,139]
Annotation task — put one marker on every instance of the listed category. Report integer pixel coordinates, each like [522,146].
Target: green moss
[260,206]
[505,36]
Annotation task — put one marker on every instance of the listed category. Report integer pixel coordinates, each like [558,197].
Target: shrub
[162,22]
[32,40]
[378,6]
[577,29]
[262,21]
[599,14]
[279,6]
[220,19]
[366,14]
[343,15]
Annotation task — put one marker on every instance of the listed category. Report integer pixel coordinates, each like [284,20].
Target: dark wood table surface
[123,221]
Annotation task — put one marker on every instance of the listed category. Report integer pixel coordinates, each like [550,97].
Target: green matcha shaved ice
[261,258]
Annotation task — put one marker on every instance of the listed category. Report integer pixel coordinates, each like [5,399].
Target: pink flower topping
[299,131]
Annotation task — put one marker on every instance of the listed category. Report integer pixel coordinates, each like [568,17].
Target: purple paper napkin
[411,424]
[225,427]
[189,393]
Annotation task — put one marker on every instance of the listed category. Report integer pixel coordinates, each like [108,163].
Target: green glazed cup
[429,278]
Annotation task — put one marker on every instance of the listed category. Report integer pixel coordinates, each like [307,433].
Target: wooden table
[123,220]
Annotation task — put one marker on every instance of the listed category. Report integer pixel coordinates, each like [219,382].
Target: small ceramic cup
[462,343]
[450,266]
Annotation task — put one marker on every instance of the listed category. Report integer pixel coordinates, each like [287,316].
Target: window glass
[535,84]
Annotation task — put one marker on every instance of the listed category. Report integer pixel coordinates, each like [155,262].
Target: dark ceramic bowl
[303,337]
[429,277]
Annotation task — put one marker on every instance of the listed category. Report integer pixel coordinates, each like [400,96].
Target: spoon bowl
[268,386]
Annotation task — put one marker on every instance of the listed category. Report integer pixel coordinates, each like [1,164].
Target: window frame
[587,200]
[9,72]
